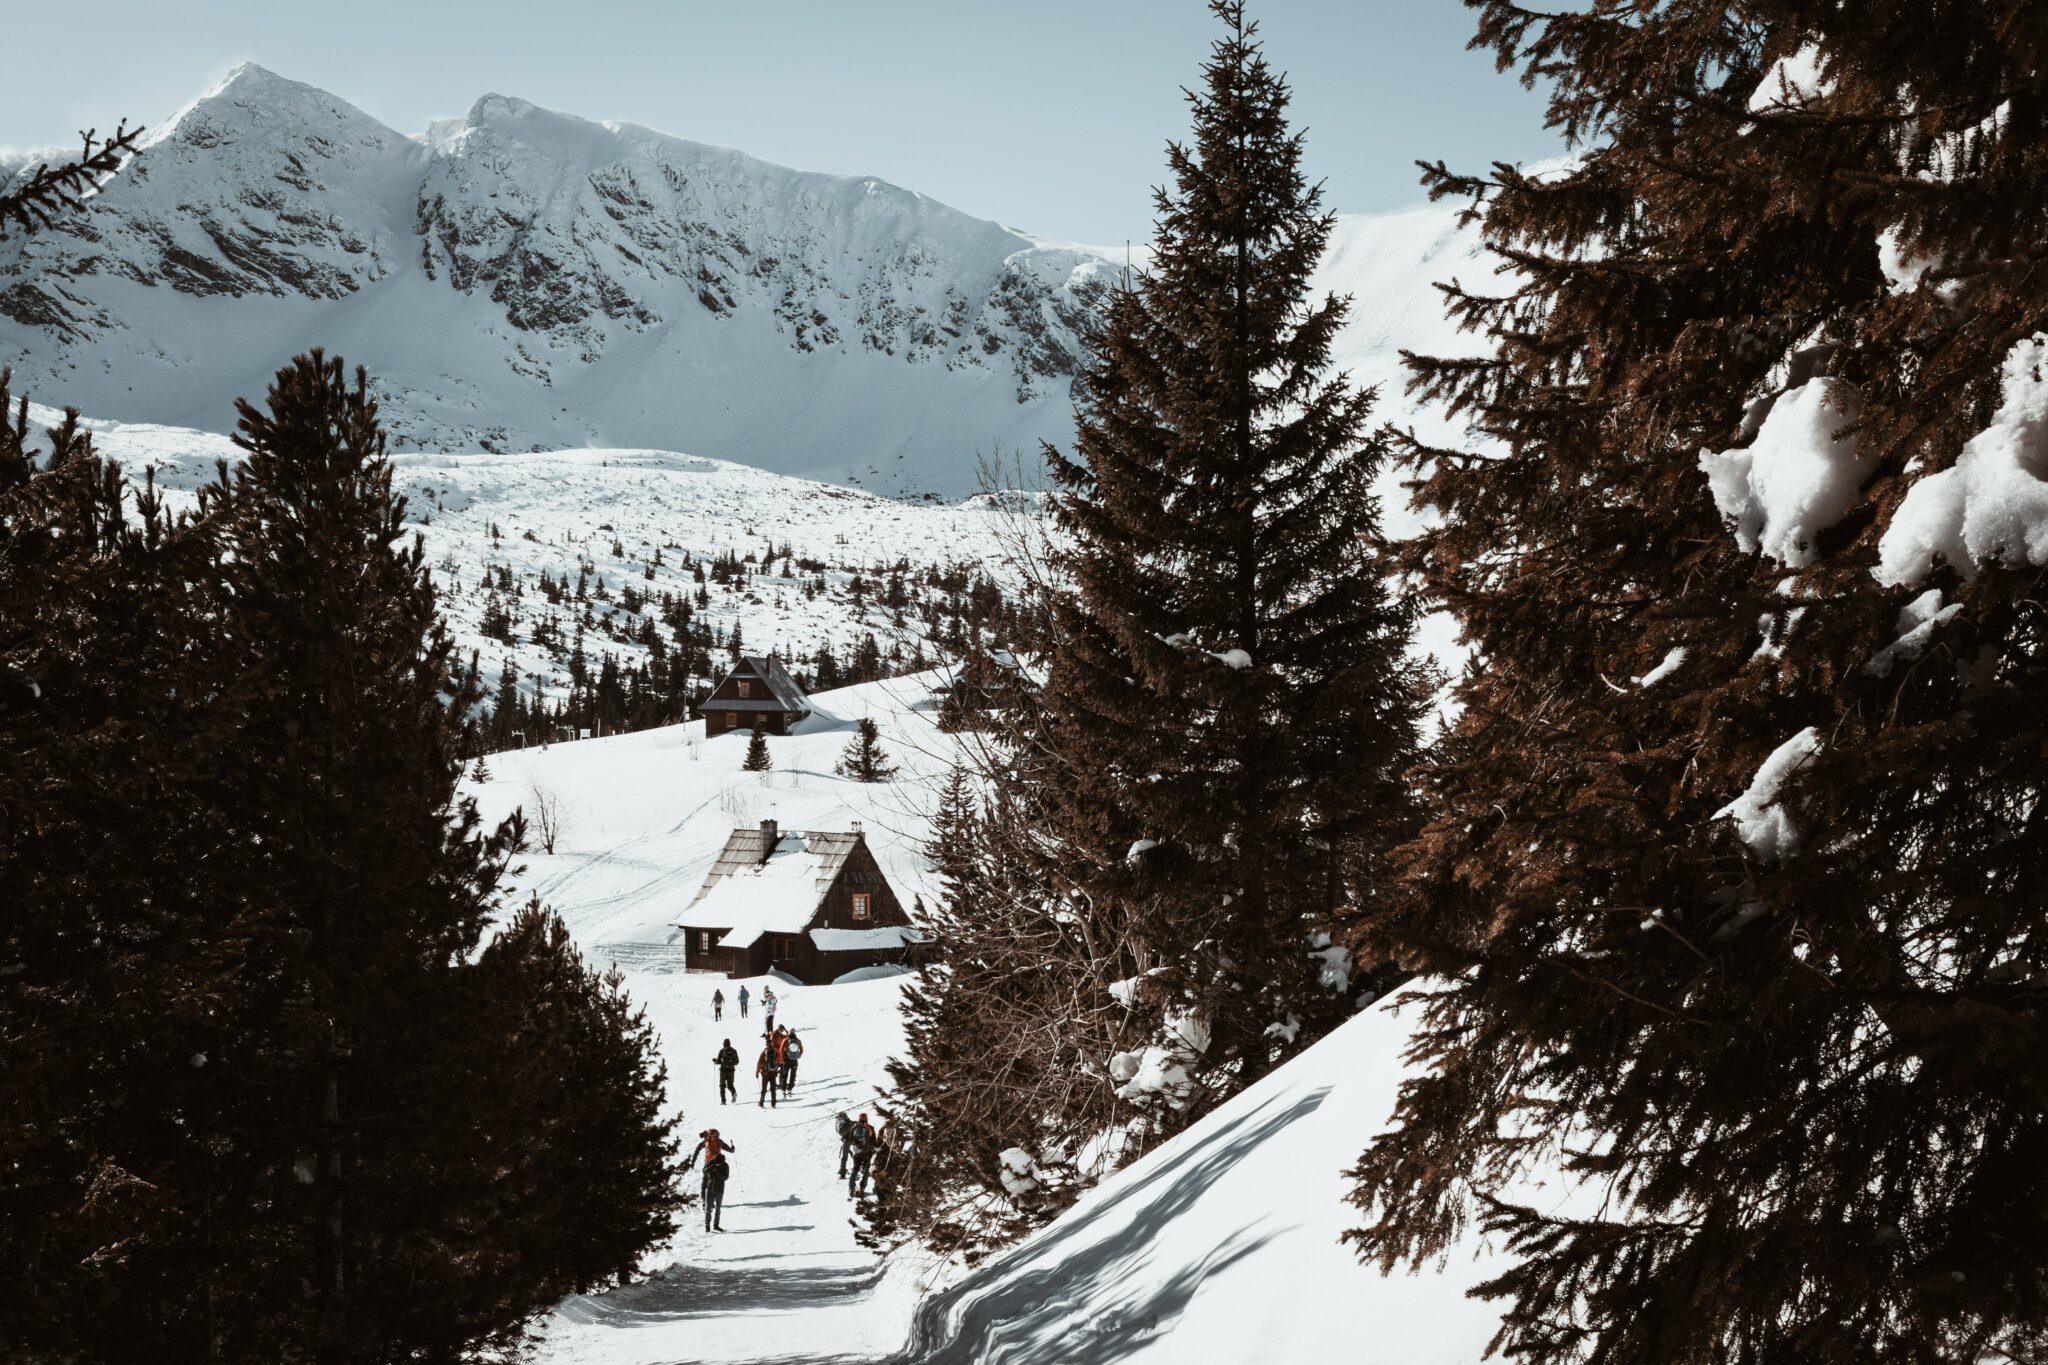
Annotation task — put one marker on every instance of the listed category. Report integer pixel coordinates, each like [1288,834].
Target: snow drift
[1221,1246]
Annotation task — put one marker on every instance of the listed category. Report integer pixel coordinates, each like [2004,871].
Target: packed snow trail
[644,816]
[785,1281]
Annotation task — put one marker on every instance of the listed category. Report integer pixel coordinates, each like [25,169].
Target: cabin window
[704,941]
[784,948]
[732,720]
[746,688]
[860,905]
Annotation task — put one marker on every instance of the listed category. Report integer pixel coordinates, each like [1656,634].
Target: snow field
[644,816]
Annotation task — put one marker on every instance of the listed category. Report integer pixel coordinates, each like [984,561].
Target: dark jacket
[728,1057]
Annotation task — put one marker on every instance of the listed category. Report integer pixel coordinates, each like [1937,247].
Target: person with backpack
[769,1070]
[716,1170]
[792,1053]
[844,1127]
[885,1154]
[717,1005]
[863,1141]
[743,1002]
[727,1060]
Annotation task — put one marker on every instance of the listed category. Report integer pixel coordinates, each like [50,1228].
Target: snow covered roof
[770,670]
[761,887]
[856,940]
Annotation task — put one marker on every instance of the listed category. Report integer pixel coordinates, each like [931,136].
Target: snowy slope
[646,815]
[558,513]
[518,279]
[1220,1247]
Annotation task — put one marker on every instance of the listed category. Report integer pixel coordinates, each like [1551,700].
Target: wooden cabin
[811,903]
[758,694]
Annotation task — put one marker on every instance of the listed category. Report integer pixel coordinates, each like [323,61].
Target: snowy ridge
[519,279]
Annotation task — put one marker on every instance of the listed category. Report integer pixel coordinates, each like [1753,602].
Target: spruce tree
[758,759]
[1733,877]
[1228,695]
[1213,737]
[376,885]
[864,759]
[123,896]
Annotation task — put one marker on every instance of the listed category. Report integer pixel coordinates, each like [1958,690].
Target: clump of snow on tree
[1020,1173]
[1918,620]
[1672,659]
[1792,82]
[1159,1072]
[1234,658]
[1991,505]
[1760,822]
[1797,478]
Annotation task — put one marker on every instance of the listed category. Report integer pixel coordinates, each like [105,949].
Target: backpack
[717,1169]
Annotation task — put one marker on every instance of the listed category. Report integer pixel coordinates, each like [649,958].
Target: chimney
[859,836]
[770,834]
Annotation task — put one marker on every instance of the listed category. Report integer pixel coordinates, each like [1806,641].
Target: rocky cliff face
[524,279]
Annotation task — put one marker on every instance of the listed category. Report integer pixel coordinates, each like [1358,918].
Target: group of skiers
[866,1154]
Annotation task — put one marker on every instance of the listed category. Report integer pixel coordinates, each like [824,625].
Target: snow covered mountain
[521,279]
[518,279]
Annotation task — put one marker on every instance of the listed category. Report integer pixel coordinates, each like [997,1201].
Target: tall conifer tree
[1228,691]
[1176,805]
[1734,873]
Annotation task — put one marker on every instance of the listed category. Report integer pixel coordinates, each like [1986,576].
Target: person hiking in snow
[743,1002]
[716,1169]
[886,1139]
[844,1127]
[766,1067]
[717,1005]
[768,1005]
[727,1061]
[792,1053]
[863,1139]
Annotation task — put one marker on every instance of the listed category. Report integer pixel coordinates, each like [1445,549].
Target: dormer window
[861,904]
[746,688]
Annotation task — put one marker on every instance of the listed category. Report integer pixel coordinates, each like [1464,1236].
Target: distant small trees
[758,759]
[864,759]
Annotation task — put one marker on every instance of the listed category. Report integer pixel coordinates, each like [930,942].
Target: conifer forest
[1456,781]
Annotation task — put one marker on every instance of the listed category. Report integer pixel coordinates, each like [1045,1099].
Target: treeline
[921,616]
[266,1091]
[1727,877]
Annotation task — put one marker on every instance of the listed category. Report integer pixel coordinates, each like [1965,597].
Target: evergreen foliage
[1228,691]
[52,191]
[758,759]
[864,759]
[242,976]
[1142,917]
[1756,948]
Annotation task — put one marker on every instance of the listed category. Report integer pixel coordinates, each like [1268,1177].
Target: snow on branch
[1991,505]
[1760,822]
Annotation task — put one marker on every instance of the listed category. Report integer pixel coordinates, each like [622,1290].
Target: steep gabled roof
[770,670]
[749,894]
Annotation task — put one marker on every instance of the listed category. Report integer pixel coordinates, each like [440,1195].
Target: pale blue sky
[1049,116]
